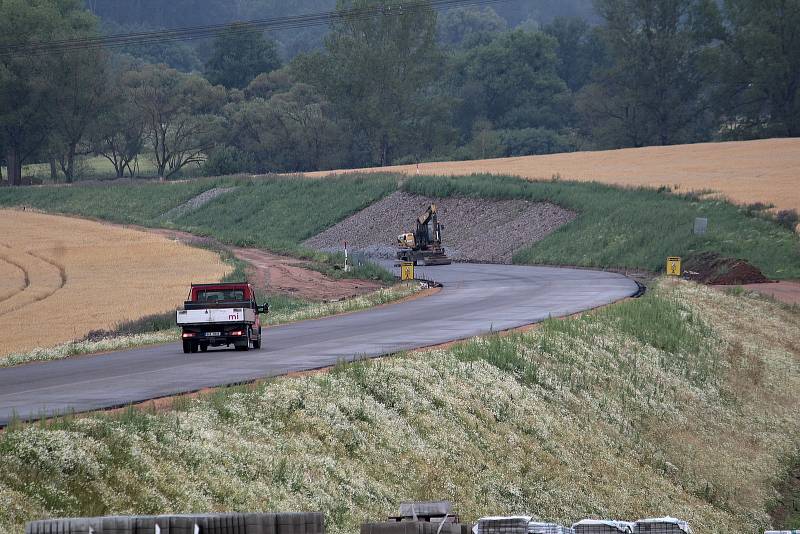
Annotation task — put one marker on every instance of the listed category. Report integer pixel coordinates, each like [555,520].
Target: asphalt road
[476,299]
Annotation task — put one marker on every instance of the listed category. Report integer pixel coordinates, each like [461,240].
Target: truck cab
[216,315]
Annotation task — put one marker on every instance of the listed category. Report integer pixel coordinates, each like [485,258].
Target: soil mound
[713,269]
[475,230]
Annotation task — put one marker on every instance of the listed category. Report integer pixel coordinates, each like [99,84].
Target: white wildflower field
[682,403]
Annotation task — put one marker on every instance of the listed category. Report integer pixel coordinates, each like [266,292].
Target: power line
[201,32]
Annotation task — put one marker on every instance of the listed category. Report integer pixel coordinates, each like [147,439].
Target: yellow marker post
[407,271]
[674,266]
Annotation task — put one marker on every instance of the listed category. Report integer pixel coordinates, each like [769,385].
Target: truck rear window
[218,295]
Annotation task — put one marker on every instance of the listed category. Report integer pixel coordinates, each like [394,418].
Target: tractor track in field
[39,284]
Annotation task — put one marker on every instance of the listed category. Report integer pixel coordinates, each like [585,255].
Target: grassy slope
[627,228]
[632,228]
[279,213]
[679,403]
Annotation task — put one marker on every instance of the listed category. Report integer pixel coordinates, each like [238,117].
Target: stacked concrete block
[548,528]
[288,523]
[602,526]
[260,523]
[662,525]
[503,525]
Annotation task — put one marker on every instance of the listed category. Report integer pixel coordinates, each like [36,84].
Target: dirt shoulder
[786,292]
[281,274]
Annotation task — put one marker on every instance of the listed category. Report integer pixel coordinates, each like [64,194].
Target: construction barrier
[254,523]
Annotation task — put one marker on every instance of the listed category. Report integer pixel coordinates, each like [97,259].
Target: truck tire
[244,345]
[187,347]
[257,342]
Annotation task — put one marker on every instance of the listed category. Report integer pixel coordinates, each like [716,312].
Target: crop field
[75,276]
[745,172]
[677,403]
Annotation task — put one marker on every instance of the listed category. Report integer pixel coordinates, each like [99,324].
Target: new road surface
[476,299]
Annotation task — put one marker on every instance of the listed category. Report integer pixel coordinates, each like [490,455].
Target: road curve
[476,299]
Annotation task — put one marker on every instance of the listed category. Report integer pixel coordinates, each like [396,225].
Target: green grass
[138,203]
[631,228]
[272,213]
[279,213]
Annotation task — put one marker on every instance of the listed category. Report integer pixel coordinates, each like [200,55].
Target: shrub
[788,219]
[226,160]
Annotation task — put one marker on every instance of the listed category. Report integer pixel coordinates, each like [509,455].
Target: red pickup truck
[221,314]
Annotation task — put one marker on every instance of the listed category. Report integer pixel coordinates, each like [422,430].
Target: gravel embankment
[197,202]
[475,230]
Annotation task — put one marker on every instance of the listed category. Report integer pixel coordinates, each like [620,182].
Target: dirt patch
[282,274]
[487,231]
[710,268]
[786,292]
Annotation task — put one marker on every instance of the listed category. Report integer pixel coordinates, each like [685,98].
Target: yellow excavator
[423,246]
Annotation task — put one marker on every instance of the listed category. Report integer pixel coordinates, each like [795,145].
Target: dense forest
[416,84]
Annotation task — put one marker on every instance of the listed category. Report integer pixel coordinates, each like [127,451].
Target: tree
[512,82]
[654,91]
[761,66]
[579,50]
[239,55]
[377,71]
[72,110]
[29,85]
[179,113]
[118,133]
[291,130]
[460,25]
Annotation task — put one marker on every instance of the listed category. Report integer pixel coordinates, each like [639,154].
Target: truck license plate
[213,334]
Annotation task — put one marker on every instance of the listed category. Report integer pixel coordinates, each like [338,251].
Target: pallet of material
[602,526]
[548,528]
[415,527]
[254,523]
[662,525]
[503,525]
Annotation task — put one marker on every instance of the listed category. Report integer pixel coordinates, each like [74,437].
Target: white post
[346,266]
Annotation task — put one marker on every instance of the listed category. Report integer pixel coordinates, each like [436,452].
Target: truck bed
[208,315]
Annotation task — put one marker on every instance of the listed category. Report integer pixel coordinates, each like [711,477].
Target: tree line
[415,86]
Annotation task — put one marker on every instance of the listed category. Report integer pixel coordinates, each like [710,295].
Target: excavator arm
[426,217]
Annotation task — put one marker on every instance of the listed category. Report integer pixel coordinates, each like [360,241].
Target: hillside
[679,403]
[614,228]
[745,172]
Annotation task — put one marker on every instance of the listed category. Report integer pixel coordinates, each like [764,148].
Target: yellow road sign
[674,266]
[407,271]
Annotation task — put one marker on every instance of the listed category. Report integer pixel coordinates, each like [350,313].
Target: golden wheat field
[61,278]
[747,171]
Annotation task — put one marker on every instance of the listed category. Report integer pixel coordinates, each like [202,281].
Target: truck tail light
[189,334]
[237,333]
